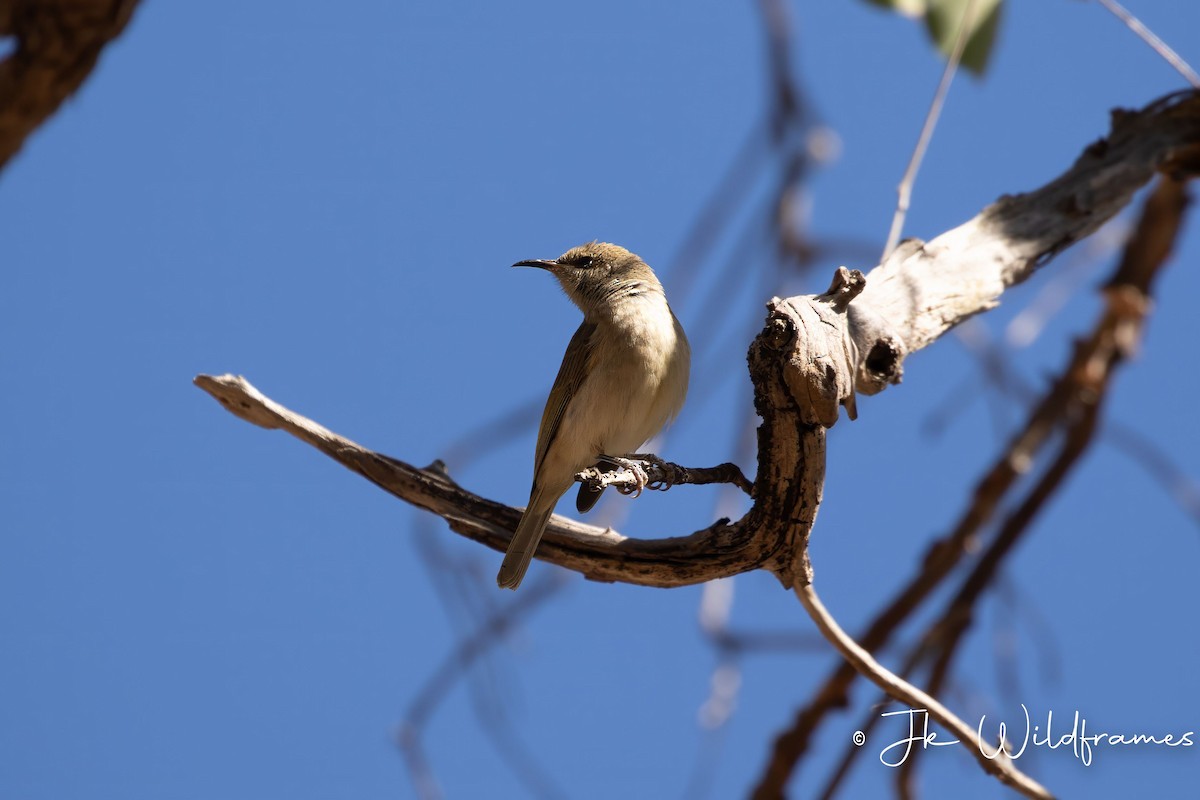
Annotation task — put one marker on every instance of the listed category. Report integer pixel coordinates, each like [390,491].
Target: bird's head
[597,274]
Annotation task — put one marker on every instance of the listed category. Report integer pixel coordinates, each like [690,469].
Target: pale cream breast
[644,353]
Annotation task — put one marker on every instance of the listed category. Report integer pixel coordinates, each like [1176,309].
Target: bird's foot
[633,465]
[633,473]
[665,469]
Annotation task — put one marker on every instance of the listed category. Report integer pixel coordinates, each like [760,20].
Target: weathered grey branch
[924,289]
[598,553]
[812,356]
[817,351]
[1073,405]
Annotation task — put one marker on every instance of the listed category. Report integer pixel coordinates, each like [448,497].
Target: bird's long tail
[525,540]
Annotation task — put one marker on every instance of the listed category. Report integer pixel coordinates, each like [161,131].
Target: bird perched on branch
[624,376]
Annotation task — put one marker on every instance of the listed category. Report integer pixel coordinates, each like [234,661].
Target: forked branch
[812,357]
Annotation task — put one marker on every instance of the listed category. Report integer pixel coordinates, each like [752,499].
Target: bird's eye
[584,262]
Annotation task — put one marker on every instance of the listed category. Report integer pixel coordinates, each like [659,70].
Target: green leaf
[942,19]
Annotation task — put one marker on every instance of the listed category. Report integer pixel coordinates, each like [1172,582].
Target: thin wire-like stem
[904,190]
[1158,45]
[996,763]
[453,667]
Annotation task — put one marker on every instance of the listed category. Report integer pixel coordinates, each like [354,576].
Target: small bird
[624,376]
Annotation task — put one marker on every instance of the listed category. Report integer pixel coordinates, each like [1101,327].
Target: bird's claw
[633,465]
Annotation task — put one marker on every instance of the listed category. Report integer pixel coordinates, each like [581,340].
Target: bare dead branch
[1180,487]
[451,670]
[597,553]
[1074,398]
[1156,44]
[1075,401]
[718,209]
[999,764]
[662,475]
[924,289]
[867,725]
[813,355]
[57,44]
[1183,489]
[904,190]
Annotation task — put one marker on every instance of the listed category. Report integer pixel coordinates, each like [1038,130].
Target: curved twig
[598,553]
[998,764]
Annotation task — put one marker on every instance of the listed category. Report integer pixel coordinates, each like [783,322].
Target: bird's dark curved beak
[543,263]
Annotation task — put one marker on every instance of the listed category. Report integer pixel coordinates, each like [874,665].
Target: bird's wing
[566,386]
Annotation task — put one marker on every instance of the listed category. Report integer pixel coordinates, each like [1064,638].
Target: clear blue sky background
[326,201]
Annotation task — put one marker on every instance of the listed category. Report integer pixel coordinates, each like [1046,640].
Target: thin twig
[461,581]
[997,764]
[1077,398]
[493,433]
[718,210]
[940,560]
[730,645]
[1182,488]
[1158,45]
[662,475]
[1153,241]
[468,650]
[904,190]
[947,632]
[453,667]
[867,724]
[1075,402]
[1137,446]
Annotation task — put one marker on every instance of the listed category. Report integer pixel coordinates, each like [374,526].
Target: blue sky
[328,204]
